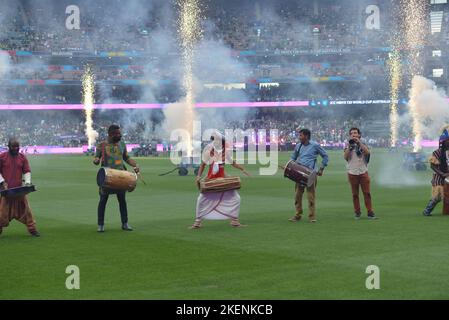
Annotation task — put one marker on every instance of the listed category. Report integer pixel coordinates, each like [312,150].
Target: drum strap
[367,158]
[299,150]
[122,149]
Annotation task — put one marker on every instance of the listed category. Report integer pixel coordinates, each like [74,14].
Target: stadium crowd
[300,50]
[243,26]
[66,128]
[269,31]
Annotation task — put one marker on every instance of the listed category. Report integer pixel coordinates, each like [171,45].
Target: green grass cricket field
[271,258]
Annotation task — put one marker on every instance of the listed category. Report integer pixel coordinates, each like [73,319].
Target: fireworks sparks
[190,32]
[189,24]
[395,83]
[410,36]
[416,121]
[416,29]
[88,101]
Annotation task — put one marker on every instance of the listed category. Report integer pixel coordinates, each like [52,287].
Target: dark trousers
[102,207]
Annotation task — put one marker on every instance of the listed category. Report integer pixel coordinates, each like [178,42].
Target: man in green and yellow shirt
[112,154]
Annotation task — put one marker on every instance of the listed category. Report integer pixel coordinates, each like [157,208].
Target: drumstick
[281,167]
[163,174]
[141,178]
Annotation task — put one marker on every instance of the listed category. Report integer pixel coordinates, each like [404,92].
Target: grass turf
[270,259]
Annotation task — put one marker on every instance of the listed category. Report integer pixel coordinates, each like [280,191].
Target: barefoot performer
[218,205]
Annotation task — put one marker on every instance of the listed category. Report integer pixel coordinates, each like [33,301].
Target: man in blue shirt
[306,154]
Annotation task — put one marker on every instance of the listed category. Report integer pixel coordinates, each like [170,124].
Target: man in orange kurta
[14,168]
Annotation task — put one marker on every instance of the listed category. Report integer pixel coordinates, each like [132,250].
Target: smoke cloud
[432,107]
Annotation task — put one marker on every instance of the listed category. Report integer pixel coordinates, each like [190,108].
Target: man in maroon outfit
[14,167]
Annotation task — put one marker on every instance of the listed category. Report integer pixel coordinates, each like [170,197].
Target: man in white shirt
[357,156]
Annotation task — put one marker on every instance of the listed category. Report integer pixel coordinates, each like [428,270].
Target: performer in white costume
[217,205]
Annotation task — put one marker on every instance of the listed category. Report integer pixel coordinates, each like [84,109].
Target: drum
[220,184]
[446,197]
[17,192]
[118,180]
[300,174]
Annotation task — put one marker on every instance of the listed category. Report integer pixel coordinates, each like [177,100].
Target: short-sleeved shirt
[357,165]
[112,155]
[13,167]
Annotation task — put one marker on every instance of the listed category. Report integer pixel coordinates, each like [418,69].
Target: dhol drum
[116,180]
[446,197]
[300,174]
[17,192]
[220,184]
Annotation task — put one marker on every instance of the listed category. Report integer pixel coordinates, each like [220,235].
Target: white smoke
[431,106]
[392,174]
[431,110]
[7,10]
[213,64]
[174,118]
